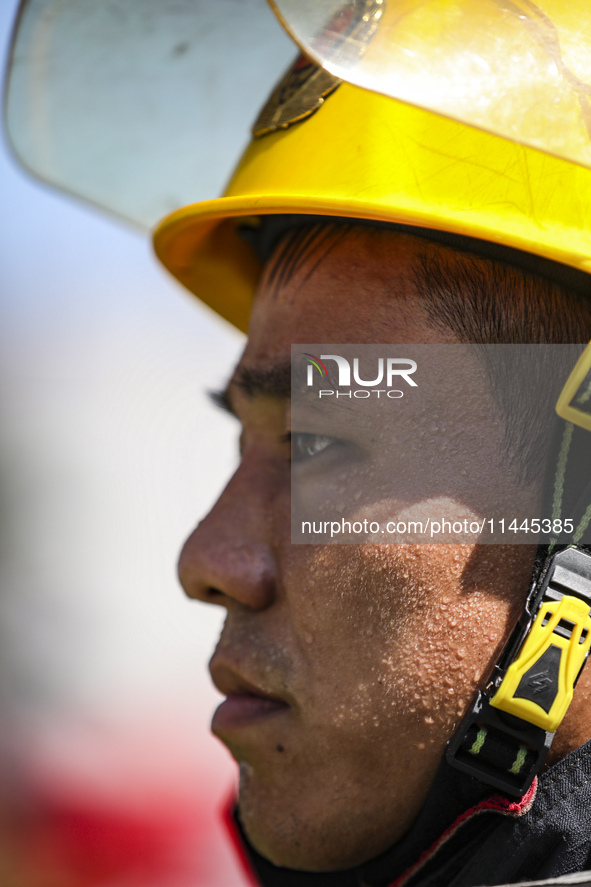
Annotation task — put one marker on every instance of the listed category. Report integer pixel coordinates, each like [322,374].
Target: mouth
[245,703]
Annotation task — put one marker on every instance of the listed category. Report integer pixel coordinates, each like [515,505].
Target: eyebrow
[271,381]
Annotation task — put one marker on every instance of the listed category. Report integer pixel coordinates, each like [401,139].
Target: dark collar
[544,834]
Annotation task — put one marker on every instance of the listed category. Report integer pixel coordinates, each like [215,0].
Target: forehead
[340,285]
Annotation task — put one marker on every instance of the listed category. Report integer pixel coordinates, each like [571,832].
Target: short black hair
[486,301]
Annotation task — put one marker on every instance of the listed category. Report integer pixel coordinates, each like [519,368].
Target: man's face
[346,667]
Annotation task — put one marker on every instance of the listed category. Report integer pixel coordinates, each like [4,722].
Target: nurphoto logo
[389,371]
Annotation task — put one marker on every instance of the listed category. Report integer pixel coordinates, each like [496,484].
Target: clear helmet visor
[516,68]
[139,107]
[142,106]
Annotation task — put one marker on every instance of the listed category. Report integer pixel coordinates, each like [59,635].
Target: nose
[229,558]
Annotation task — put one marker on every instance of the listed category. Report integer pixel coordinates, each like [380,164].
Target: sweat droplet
[308,637]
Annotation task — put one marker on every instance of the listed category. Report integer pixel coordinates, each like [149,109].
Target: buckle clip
[538,686]
[509,728]
[574,403]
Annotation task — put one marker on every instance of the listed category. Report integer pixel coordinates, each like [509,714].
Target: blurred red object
[111,812]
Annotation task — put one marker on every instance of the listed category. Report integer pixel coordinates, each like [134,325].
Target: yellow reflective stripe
[479,741]
[519,760]
[583,525]
[561,470]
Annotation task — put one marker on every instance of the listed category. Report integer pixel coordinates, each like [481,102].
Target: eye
[306,446]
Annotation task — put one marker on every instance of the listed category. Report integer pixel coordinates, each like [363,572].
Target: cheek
[440,656]
[457,608]
[404,633]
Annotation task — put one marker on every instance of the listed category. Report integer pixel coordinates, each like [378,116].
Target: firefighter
[364,682]
[405,713]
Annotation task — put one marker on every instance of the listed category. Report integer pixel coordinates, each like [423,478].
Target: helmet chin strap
[574,406]
[505,736]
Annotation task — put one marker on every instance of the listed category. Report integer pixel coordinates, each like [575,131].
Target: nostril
[212,594]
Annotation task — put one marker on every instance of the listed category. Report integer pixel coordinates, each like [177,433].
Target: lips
[245,703]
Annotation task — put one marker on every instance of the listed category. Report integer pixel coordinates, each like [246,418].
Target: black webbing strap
[498,750]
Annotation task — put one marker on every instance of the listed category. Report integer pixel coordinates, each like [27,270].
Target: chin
[273,825]
[283,843]
[294,829]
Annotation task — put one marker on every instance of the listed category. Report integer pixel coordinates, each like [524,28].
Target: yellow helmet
[331,148]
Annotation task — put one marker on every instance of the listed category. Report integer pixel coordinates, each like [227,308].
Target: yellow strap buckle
[574,403]
[538,685]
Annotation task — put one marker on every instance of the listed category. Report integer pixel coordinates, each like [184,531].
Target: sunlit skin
[374,651]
